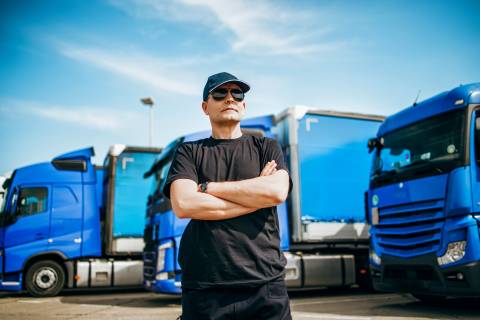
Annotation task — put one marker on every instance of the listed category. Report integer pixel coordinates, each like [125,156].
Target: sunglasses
[220,93]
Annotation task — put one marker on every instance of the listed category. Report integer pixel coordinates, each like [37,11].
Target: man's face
[227,110]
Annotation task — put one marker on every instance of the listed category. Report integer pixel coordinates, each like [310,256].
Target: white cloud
[171,76]
[252,27]
[264,28]
[88,117]
[82,116]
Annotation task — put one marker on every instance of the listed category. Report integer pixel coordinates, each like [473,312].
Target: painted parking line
[328,301]
[30,301]
[328,316]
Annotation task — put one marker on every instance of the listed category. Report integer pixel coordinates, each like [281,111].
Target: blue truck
[322,224]
[69,224]
[423,202]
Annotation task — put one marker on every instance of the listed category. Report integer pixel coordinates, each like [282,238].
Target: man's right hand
[269,189]
[269,169]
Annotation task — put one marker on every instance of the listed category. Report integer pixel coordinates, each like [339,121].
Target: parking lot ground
[341,304]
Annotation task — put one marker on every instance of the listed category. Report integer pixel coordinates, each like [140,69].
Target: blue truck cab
[322,224]
[61,228]
[423,202]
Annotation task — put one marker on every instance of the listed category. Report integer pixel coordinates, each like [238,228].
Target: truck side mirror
[11,214]
[374,143]
[9,217]
[371,144]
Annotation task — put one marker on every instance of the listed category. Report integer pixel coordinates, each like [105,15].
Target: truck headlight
[375,258]
[161,254]
[455,252]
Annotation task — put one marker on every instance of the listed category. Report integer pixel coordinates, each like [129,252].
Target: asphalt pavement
[341,304]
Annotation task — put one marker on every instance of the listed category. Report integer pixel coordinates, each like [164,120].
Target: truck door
[66,220]
[3,223]
[2,232]
[26,230]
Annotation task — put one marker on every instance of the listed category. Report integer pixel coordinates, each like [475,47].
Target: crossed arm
[224,200]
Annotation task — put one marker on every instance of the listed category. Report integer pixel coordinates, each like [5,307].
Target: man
[229,186]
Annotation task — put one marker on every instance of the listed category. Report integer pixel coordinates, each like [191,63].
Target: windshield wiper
[414,169]
[379,174]
[434,164]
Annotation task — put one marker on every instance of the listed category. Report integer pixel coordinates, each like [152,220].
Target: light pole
[149,102]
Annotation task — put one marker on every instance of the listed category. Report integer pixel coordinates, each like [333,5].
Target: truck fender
[52,255]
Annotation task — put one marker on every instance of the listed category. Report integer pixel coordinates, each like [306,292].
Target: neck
[226,132]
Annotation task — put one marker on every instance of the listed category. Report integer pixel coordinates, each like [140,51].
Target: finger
[268,169]
[267,166]
[272,166]
[271,171]
[264,171]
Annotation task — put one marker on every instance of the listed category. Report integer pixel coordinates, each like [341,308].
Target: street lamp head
[147,101]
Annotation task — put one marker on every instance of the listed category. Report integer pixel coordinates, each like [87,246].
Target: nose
[229,96]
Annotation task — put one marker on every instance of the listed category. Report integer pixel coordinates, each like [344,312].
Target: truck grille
[410,230]
[149,263]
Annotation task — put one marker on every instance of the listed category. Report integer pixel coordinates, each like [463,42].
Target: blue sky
[72,72]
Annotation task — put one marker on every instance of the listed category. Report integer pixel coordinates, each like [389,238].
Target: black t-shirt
[242,251]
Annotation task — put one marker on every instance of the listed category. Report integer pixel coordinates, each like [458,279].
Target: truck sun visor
[70,164]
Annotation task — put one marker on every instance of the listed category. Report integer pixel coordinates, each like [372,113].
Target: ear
[204,107]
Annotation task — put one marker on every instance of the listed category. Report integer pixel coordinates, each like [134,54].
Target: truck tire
[44,279]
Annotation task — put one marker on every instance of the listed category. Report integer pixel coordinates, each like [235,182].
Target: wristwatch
[203,186]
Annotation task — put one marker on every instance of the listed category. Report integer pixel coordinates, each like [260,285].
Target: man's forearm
[202,206]
[259,192]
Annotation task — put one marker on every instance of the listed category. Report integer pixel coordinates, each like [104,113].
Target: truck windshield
[428,147]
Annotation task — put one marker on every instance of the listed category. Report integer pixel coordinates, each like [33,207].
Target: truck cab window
[32,201]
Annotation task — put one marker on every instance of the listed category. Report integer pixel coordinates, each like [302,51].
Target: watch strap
[203,186]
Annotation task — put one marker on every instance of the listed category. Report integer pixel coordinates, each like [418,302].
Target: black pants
[267,302]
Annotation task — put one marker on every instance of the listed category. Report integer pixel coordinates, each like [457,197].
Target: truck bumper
[12,282]
[163,286]
[10,286]
[422,275]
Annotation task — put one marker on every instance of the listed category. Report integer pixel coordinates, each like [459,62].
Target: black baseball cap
[216,80]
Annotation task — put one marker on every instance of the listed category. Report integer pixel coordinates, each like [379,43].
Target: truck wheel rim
[46,278]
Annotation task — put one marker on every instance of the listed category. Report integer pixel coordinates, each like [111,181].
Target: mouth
[229,109]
